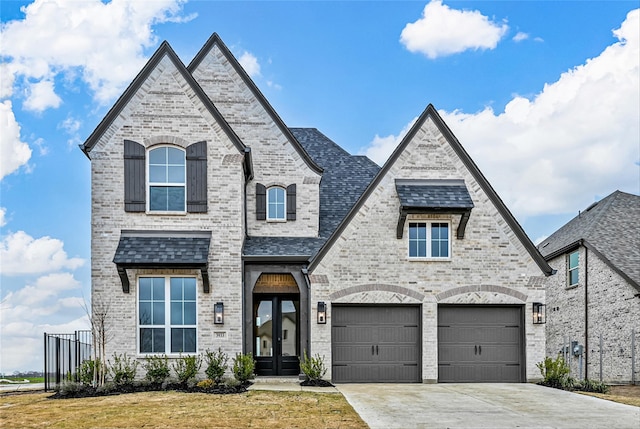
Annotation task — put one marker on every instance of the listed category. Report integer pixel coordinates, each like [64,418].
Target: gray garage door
[480,344]
[374,344]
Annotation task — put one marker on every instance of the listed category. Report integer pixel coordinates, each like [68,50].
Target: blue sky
[544,95]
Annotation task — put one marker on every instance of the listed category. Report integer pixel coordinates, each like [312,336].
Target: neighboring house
[203,200]
[596,294]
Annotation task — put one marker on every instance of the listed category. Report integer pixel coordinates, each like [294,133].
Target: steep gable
[163,57]
[609,227]
[431,151]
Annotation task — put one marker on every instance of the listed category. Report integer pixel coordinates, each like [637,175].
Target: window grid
[573,271]
[159,297]
[276,197]
[167,179]
[429,240]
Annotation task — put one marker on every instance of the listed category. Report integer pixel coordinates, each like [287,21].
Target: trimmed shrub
[313,367]
[157,368]
[592,386]
[123,369]
[555,373]
[186,368]
[216,365]
[86,370]
[243,366]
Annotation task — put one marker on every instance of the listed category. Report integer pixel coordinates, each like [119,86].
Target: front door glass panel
[289,327]
[264,328]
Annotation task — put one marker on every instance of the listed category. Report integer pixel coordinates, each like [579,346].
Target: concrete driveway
[483,406]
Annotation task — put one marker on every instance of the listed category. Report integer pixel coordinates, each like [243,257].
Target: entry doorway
[276,333]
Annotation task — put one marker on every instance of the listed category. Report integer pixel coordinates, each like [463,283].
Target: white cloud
[41,96]
[71,126]
[6,80]
[250,64]
[381,147]
[103,42]
[13,152]
[520,36]
[3,216]
[579,137]
[22,254]
[444,31]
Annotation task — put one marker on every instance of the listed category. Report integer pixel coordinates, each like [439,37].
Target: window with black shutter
[134,177]
[197,177]
[261,201]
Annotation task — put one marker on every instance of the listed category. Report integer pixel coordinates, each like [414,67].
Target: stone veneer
[368,264]
[613,312]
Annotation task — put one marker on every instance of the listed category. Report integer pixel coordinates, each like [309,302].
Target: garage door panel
[376,343]
[480,343]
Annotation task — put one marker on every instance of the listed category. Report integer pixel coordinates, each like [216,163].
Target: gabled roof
[164,50]
[430,112]
[610,227]
[215,40]
[344,178]
[433,194]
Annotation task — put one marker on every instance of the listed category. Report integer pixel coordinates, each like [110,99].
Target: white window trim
[276,219]
[569,270]
[428,240]
[149,184]
[167,311]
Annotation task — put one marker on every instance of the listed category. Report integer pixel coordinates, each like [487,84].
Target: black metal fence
[63,354]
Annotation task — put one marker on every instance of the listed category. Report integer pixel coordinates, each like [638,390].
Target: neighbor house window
[167,172]
[429,240]
[276,203]
[573,271]
[167,314]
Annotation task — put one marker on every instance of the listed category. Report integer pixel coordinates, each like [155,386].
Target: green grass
[31,379]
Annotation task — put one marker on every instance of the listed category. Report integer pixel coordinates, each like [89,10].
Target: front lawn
[254,409]
[628,394]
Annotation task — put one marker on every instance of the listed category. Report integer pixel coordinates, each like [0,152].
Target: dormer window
[167,172]
[276,203]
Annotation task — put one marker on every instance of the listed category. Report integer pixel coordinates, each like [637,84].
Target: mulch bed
[83,391]
[316,383]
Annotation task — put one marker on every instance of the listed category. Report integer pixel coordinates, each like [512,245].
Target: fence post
[46,374]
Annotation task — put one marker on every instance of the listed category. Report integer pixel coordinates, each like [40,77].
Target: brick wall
[368,264]
[613,312]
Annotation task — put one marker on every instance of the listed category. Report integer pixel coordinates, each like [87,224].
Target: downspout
[586,313]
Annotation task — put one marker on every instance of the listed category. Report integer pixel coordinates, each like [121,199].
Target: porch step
[265,379]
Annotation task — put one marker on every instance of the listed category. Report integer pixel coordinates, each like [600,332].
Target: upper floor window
[167,185]
[573,271]
[275,203]
[167,314]
[429,240]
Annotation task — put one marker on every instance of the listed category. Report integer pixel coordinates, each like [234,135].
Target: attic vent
[591,206]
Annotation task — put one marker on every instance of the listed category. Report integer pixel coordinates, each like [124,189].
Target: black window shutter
[291,202]
[197,177]
[134,177]
[261,201]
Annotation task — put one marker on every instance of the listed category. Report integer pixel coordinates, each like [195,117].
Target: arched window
[167,172]
[276,203]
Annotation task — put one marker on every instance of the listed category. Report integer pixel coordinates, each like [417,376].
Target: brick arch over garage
[377,287]
[462,290]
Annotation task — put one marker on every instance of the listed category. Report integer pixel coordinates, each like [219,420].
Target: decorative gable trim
[215,40]
[431,112]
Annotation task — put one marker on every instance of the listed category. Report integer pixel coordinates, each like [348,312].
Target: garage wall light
[322,313]
[218,313]
[539,316]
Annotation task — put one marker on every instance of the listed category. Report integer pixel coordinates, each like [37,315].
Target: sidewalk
[20,387]
[287,384]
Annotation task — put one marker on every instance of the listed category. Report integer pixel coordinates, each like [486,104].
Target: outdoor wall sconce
[218,313]
[539,313]
[322,313]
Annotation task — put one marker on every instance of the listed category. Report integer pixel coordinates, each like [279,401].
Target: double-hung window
[276,203]
[429,240]
[167,314]
[573,270]
[167,184]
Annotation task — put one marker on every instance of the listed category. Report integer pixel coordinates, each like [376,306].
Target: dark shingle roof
[434,194]
[611,226]
[146,248]
[344,179]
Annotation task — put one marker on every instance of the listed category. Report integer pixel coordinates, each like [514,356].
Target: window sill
[572,286]
[410,259]
[276,221]
[157,213]
[168,355]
